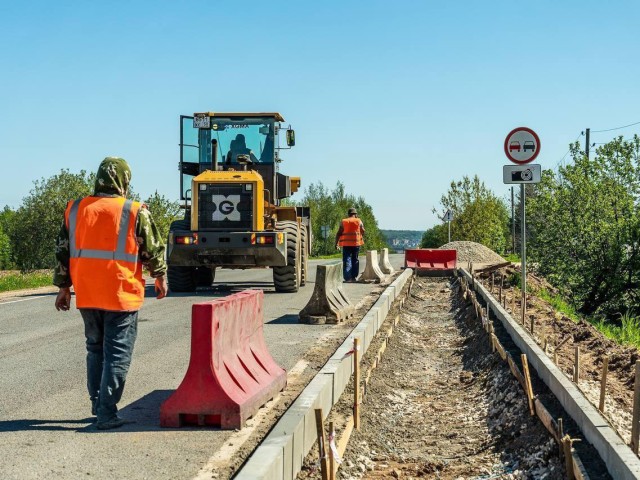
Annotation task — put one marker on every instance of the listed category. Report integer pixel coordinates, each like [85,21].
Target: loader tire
[287,278]
[205,276]
[181,279]
[304,255]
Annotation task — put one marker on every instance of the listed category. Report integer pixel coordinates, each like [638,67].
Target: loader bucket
[430,262]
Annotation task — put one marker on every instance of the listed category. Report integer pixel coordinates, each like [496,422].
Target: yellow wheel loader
[232,189]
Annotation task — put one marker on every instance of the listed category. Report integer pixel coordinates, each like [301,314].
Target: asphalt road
[46,429]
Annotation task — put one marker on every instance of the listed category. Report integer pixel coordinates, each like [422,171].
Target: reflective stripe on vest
[351,236]
[120,251]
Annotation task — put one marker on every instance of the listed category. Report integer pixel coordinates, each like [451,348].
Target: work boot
[94,406]
[115,422]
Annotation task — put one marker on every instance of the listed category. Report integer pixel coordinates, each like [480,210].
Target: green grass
[18,281]
[512,257]
[628,332]
[625,332]
[559,304]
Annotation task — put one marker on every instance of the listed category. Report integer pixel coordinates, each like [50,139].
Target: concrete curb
[281,453]
[621,462]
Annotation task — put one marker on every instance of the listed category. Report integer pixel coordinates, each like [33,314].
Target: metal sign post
[523,250]
[521,147]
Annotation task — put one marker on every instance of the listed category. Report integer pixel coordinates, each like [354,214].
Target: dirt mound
[473,252]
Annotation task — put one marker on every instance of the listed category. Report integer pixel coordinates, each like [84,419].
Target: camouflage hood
[113,177]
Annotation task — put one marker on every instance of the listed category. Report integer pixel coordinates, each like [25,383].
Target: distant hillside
[402,239]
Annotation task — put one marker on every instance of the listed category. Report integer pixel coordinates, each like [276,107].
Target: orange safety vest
[351,236]
[104,266]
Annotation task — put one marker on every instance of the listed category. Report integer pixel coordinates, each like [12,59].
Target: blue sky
[394,99]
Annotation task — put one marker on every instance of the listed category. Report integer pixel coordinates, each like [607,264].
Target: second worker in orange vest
[102,245]
[350,237]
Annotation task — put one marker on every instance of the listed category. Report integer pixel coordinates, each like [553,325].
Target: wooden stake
[560,434]
[322,444]
[635,431]
[568,457]
[501,287]
[545,343]
[603,383]
[531,319]
[555,350]
[343,441]
[332,461]
[527,381]
[493,279]
[493,343]
[576,365]
[356,383]
[513,303]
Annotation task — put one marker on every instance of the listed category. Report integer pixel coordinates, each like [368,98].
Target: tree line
[583,226]
[328,207]
[28,233]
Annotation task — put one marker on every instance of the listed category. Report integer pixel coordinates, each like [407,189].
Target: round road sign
[522,145]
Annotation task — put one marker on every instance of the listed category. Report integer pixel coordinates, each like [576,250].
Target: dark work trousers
[110,338]
[350,263]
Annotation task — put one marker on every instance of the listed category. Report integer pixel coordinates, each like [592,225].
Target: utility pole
[586,148]
[513,224]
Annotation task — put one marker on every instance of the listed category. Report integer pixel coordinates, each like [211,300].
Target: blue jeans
[350,263]
[110,338]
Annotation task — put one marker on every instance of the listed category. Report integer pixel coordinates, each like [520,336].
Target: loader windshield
[251,136]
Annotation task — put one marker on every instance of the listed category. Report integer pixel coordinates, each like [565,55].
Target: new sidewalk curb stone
[621,462]
[281,453]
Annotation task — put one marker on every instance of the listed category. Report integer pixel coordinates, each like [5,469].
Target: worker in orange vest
[103,243]
[350,237]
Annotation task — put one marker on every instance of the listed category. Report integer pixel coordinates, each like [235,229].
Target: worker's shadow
[79,425]
[143,415]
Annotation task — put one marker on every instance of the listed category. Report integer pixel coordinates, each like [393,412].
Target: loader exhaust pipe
[214,154]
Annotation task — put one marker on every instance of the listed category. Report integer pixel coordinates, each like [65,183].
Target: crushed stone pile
[473,252]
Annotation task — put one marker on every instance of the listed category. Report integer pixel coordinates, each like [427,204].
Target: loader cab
[232,142]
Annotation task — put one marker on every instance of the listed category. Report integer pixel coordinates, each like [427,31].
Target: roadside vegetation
[28,233]
[328,208]
[583,233]
[479,216]
[17,281]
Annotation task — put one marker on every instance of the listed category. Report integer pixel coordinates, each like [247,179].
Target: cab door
[189,155]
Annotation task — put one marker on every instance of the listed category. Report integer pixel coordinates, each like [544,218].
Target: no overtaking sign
[522,145]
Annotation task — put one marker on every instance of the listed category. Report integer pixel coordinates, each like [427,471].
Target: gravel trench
[441,405]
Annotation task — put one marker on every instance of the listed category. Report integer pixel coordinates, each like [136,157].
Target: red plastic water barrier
[231,373]
[426,259]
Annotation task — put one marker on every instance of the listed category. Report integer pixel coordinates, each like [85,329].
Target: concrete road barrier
[328,303]
[231,373]
[385,264]
[372,272]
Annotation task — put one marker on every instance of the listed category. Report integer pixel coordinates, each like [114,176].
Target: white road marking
[26,299]
[235,441]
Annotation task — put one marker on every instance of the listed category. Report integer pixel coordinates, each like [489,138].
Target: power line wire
[617,128]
